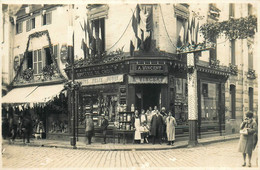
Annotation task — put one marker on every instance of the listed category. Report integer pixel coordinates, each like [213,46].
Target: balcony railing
[27,76]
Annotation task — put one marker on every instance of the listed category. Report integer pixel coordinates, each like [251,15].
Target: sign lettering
[147,79]
[102,80]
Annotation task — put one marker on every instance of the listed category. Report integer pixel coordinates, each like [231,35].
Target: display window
[209,102]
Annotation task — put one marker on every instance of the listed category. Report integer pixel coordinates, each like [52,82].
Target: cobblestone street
[222,154]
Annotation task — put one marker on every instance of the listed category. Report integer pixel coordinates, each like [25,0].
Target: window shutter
[48,18]
[39,61]
[35,62]
[21,27]
[28,25]
[20,60]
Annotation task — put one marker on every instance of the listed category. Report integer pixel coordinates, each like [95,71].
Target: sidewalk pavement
[119,147]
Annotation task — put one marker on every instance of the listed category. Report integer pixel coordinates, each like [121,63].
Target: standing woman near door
[137,125]
[170,128]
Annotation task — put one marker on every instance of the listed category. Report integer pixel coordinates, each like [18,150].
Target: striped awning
[32,94]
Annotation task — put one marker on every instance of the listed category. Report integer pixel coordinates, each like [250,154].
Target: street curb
[127,149]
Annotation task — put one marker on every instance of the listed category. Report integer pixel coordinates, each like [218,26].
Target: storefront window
[209,102]
[57,112]
[98,102]
[180,102]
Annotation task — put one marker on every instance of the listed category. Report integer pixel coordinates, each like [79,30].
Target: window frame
[233,51]
[45,18]
[250,57]
[19,27]
[231,10]
[37,62]
[233,101]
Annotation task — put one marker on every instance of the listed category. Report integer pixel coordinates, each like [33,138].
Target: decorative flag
[134,25]
[196,33]
[99,39]
[132,48]
[84,48]
[181,36]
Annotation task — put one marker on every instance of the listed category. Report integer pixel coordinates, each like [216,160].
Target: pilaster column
[192,99]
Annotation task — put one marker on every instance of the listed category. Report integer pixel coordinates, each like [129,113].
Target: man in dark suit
[104,125]
[156,127]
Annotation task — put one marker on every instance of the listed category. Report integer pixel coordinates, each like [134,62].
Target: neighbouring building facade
[126,57]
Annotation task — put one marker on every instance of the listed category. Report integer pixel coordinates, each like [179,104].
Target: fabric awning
[44,93]
[18,95]
[33,94]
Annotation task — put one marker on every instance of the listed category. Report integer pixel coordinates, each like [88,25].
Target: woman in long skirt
[137,125]
[170,128]
[246,144]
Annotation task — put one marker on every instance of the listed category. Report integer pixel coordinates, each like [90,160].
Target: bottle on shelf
[132,108]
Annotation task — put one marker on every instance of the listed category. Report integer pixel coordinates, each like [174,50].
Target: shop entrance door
[148,95]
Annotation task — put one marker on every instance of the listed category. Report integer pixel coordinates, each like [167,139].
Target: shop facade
[143,82]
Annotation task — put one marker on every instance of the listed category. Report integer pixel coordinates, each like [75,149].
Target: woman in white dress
[170,128]
[137,125]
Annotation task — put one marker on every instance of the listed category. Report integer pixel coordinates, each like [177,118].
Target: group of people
[89,130]
[157,124]
[14,125]
[20,124]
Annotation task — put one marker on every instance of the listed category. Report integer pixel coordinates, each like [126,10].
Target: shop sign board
[102,80]
[147,79]
[148,68]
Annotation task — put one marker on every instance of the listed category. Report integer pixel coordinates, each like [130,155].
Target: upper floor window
[251,98]
[19,27]
[250,9]
[231,10]
[29,60]
[233,51]
[46,18]
[213,52]
[98,27]
[214,12]
[250,56]
[180,31]
[37,61]
[30,24]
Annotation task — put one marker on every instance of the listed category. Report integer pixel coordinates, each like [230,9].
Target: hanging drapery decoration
[37,35]
[142,24]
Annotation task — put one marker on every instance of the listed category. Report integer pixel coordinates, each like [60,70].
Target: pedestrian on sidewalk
[170,128]
[137,125]
[89,128]
[26,126]
[104,125]
[156,126]
[164,115]
[246,138]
